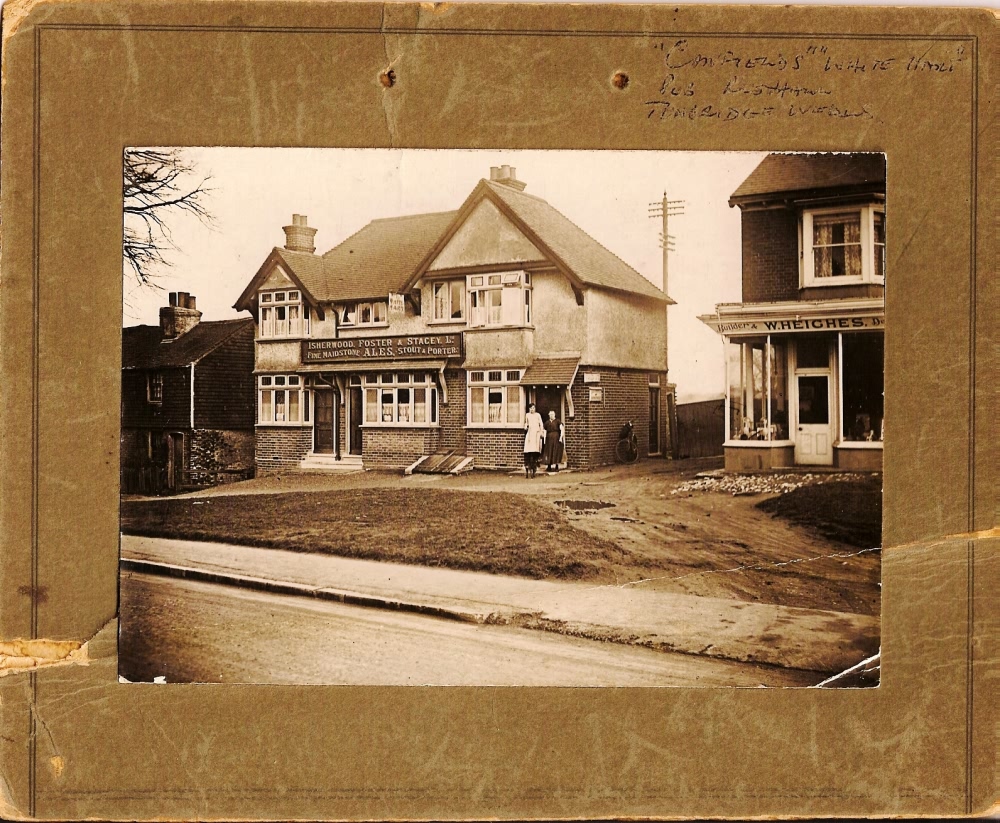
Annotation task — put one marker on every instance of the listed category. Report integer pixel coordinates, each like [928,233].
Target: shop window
[282,400]
[501,299]
[843,246]
[154,387]
[369,313]
[496,398]
[400,399]
[282,314]
[756,397]
[863,376]
[449,301]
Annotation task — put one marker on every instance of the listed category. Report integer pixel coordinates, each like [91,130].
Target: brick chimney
[506,176]
[179,317]
[298,236]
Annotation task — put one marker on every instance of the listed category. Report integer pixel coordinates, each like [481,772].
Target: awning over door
[551,371]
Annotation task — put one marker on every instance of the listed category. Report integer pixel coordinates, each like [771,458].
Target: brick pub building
[187,401]
[804,350]
[428,335]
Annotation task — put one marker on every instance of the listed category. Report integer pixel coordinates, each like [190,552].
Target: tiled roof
[142,349]
[582,254]
[789,173]
[379,258]
[551,371]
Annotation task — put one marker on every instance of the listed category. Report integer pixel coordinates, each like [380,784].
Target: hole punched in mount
[388,78]
[620,80]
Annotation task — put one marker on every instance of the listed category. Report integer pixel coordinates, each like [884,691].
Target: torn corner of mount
[30,655]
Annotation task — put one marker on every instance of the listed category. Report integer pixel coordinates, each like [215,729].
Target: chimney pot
[179,317]
[505,171]
[494,173]
[173,298]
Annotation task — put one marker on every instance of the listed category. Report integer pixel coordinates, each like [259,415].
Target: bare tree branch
[158,185]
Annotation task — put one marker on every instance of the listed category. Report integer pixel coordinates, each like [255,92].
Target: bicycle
[627,448]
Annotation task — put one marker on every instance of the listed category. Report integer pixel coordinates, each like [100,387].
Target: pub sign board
[401,347]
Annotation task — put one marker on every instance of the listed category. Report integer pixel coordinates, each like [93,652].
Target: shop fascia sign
[398,347]
[736,326]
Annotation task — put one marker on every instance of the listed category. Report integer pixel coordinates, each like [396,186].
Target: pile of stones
[740,484]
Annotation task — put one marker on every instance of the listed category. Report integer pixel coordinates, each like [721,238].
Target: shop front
[804,385]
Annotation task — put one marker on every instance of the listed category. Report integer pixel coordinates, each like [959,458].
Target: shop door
[813,436]
[549,399]
[654,421]
[323,422]
[356,413]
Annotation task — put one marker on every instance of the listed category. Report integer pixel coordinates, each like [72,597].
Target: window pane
[265,381]
[265,298]
[440,301]
[476,406]
[837,245]
[879,244]
[279,380]
[734,377]
[279,407]
[496,405]
[814,399]
[365,313]
[779,384]
[266,409]
[457,300]
[387,378]
[434,405]
[420,405]
[514,406]
[293,406]
[293,380]
[477,281]
[350,315]
[476,377]
[388,412]
[496,376]
[527,306]
[758,387]
[371,405]
[513,376]
[494,280]
[293,295]
[378,312]
[812,352]
[279,295]
[306,400]
[512,278]
[864,384]
[403,404]
[511,312]
[494,303]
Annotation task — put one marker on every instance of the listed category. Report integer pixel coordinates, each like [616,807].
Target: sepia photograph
[519,418]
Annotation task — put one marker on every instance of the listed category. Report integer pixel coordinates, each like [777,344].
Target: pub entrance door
[355,414]
[323,421]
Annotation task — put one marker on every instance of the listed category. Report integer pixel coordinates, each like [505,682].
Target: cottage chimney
[298,236]
[180,316]
[506,176]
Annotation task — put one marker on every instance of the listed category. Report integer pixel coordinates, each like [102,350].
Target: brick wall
[281,447]
[453,415]
[397,448]
[592,435]
[495,448]
[770,255]
[220,456]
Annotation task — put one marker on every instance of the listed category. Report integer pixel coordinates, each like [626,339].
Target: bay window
[501,299]
[282,314]
[400,399]
[282,400]
[496,398]
[756,406]
[842,246]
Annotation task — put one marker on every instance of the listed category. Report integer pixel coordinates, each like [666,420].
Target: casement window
[282,314]
[154,387]
[449,301]
[400,399]
[370,313]
[843,246]
[282,400]
[496,398]
[502,299]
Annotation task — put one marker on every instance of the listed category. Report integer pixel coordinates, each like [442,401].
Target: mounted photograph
[502,418]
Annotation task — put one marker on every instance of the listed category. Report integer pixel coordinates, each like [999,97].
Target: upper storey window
[843,246]
[502,299]
[449,301]
[282,314]
[365,314]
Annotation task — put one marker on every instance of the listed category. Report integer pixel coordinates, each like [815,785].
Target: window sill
[519,327]
[841,280]
[455,322]
[858,444]
[495,427]
[283,338]
[363,326]
[283,425]
[400,425]
[757,444]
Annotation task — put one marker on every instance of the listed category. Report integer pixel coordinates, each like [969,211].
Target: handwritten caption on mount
[727,85]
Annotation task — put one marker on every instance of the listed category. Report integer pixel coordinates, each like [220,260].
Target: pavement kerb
[296,589]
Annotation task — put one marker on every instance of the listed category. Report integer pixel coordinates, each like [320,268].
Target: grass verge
[500,533]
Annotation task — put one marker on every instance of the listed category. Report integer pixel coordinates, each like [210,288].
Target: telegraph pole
[665,209]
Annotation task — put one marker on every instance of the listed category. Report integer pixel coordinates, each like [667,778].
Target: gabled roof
[142,349]
[581,258]
[780,176]
[380,258]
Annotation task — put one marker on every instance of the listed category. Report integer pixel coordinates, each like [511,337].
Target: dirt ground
[697,542]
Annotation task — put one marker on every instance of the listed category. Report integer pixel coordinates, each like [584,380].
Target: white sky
[606,193]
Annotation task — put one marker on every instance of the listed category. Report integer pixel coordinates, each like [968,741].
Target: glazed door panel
[323,422]
[814,436]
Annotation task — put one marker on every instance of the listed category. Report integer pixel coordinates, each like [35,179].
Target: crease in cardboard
[387,101]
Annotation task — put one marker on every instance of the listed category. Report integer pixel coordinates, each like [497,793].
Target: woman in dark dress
[554,435]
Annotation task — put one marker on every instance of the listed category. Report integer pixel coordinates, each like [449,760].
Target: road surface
[191,631]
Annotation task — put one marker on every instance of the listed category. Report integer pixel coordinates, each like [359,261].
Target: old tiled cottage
[429,334]
[187,400]
[805,347]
